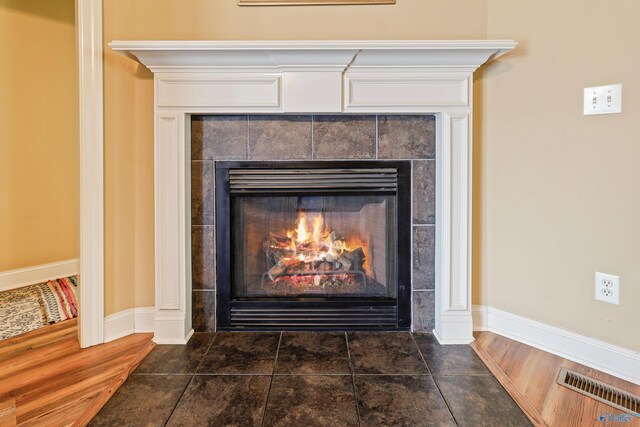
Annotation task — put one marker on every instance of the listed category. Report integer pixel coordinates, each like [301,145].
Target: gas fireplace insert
[313,245]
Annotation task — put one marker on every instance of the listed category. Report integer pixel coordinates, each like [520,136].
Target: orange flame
[318,223]
[319,242]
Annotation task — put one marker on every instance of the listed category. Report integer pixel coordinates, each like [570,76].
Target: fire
[302,235]
[318,241]
[318,223]
[311,254]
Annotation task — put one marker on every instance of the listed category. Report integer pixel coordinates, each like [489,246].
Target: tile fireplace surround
[328,138]
[281,88]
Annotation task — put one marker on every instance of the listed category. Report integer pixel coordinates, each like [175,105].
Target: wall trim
[91,135]
[119,325]
[611,359]
[13,279]
[127,322]
[479,314]
[144,319]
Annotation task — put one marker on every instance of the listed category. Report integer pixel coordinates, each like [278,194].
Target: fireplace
[340,78]
[313,245]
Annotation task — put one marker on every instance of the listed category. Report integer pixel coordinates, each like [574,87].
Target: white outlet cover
[603,99]
[614,297]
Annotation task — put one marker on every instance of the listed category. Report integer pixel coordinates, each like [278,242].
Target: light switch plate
[603,99]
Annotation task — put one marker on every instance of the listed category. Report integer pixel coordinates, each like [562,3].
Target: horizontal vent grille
[240,180]
[374,316]
[600,391]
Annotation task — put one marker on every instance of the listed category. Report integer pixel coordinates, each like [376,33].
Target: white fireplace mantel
[336,77]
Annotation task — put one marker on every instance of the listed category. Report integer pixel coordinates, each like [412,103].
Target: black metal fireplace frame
[380,314]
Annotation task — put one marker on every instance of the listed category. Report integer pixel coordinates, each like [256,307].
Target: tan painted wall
[129,96]
[559,189]
[539,164]
[39,184]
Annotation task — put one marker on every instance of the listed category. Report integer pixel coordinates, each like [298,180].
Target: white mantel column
[454,324]
[172,225]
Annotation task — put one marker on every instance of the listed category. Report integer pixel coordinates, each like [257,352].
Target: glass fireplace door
[302,246]
[313,245]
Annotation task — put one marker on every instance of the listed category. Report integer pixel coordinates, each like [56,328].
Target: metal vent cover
[600,391]
[274,180]
[302,318]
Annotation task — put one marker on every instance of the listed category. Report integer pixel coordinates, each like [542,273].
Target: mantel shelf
[313,55]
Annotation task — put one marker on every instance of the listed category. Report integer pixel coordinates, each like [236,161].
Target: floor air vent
[598,390]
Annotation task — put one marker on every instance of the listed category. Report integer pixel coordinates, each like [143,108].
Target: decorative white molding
[209,77]
[611,359]
[312,55]
[480,314]
[127,322]
[371,91]
[13,279]
[223,91]
[91,274]
[119,325]
[143,319]
[313,76]
[454,323]
[172,224]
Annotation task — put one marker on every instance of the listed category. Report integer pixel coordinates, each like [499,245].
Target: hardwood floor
[51,381]
[529,375]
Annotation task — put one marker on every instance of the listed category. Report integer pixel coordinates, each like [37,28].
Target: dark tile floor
[311,379]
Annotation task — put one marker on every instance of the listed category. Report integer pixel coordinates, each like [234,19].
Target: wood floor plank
[31,359]
[8,412]
[106,394]
[55,383]
[520,398]
[12,347]
[30,399]
[529,375]
[48,366]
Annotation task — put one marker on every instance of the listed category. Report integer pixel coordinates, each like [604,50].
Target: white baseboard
[170,330]
[127,322]
[119,325]
[144,319]
[611,359]
[13,279]
[480,315]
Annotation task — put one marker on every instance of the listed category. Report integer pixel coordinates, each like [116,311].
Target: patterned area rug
[32,307]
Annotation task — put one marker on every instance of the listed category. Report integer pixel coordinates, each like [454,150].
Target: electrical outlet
[608,288]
